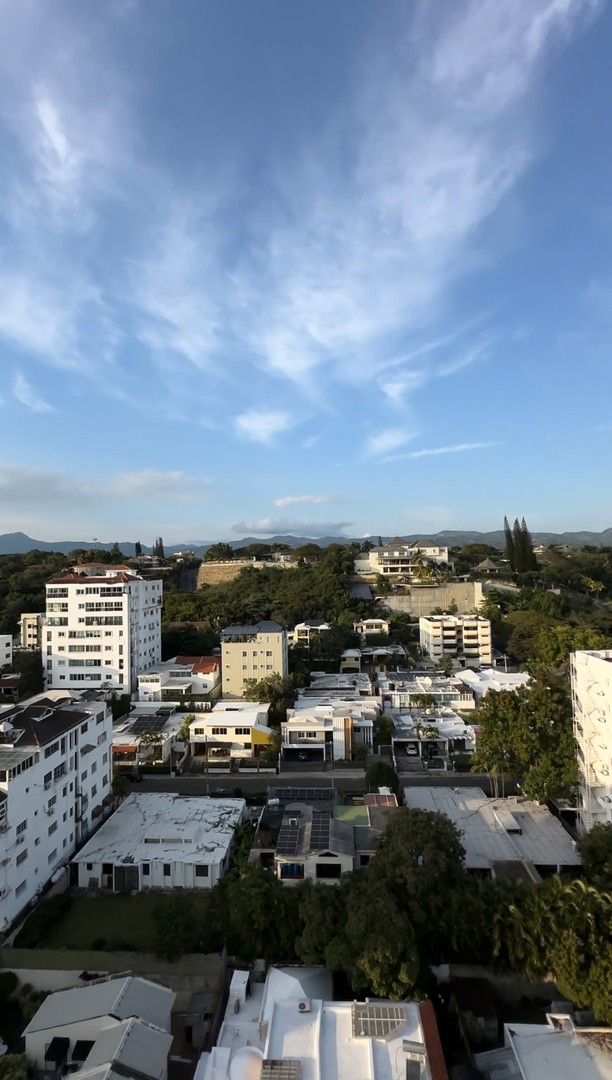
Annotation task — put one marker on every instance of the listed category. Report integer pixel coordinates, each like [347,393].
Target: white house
[291,1028]
[237,729]
[161,841]
[430,733]
[407,689]
[327,730]
[195,678]
[501,836]
[466,639]
[569,1046]
[304,632]
[6,650]
[591,673]
[111,1027]
[480,682]
[149,732]
[371,627]
[55,779]
[102,628]
[399,558]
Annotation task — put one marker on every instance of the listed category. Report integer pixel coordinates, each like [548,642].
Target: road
[347,780]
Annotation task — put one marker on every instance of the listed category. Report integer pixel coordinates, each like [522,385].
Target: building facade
[6,650]
[466,639]
[102,628]
[31,629]
[231,730]
[55,775]
[591,673]
[399,558]
[252,652]
[192,679]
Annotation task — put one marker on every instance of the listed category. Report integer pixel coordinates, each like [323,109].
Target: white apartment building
[328,730]
[31,625]
[252,652]
[591,673]
[465,638]
[6,650]
[55,774]
[103,627]
[195,678]
[304,632]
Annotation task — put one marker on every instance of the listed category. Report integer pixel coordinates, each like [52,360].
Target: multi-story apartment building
[591,673]
[465,638]
[31,629]
[103,626]
[6,650]
[55,773]
[252,652]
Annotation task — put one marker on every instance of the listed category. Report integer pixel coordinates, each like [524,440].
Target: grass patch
[116,923]
[357,815]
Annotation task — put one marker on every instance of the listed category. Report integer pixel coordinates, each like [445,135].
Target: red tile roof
[200,665]
[433,1046]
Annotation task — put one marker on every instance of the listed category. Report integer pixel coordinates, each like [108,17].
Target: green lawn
[120,920]
[357,815]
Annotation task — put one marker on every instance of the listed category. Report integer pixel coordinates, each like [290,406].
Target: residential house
[571,1045]
[401,690]
[113,1027]
[290,1027]
[161,841]
[510,838]
[398,558]
[328,729]
[233,729]
[252,652]
[371,627]
[466,639]
[55,781]
[103,627]
[149,732]
[191,680]
[430,734]
[591,673]
[305,632]
[480,682]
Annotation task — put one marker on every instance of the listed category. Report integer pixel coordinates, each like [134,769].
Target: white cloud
[298,500]
[262,425]
[290,526]
[458,448]
[22,487]
[28,396]
[161,485]
[387,440]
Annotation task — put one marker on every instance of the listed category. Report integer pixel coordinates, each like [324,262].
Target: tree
[116,553]
[595,849]
[13,1067]
[280,693]
[527,735]
[553,645]
[219,553]
[158,548]
[175,926]
[383,731]
[527,553]
[517,542]
[510,555]
[121,786]
[446,664]
[382,775]
[137,549]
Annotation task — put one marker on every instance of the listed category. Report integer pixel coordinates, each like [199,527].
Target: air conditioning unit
[304,1005]
[4,827]
[20,840]
[4,893]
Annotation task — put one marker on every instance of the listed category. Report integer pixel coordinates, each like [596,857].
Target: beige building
[252,652]
[592,704]
[30,629]
[465,638]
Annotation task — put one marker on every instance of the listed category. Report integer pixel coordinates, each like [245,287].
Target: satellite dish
[3,1048]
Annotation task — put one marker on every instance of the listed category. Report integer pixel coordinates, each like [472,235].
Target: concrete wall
[421,600]
[59,969]
[213,573]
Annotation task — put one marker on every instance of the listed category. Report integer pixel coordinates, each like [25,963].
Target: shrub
[8,984]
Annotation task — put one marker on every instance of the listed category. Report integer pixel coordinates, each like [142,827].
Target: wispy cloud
[385,441]
[23,487]
[290,526]
[436,451]
[299,500]
[28,396]
[262,425]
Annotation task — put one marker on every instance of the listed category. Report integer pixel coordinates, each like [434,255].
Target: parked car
[412,750]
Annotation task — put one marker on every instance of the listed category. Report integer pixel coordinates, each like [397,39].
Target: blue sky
[304,267]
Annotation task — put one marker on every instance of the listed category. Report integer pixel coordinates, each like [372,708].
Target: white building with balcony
[466,639]
[103,628]
[399,558]
[6,650]
[401,690]
[371,627]
[196,679]
[304,632]
[328,729]
[591,673]
[31,629]
[233,729]
[55,775]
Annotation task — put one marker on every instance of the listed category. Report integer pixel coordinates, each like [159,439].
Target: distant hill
[18,543]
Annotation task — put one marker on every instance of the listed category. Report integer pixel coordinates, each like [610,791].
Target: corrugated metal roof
[132,1046]
[131,996]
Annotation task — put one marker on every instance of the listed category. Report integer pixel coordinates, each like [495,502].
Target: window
[20,888]
[21,858]
[201,871]
[59,771]
[37,841]
[219,731]
[243,731]
[94,767]
[167,869]
[146,870]
[52,856]
[94,791]
[84,775]
[52,828]
[21,828]
[51,749]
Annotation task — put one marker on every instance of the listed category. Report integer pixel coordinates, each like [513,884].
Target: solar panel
[149,723]
[376,1021]
[291,794]
[320,830]
[279,1069]
[288,839]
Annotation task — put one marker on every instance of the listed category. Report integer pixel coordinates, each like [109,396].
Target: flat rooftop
[498,830]
[165,827]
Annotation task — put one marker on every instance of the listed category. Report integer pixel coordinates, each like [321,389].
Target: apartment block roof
[37,725]
[265,626]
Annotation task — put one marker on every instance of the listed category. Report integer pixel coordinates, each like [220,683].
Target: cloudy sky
[304,267]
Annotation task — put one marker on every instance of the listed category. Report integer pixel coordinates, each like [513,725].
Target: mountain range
[18,543]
